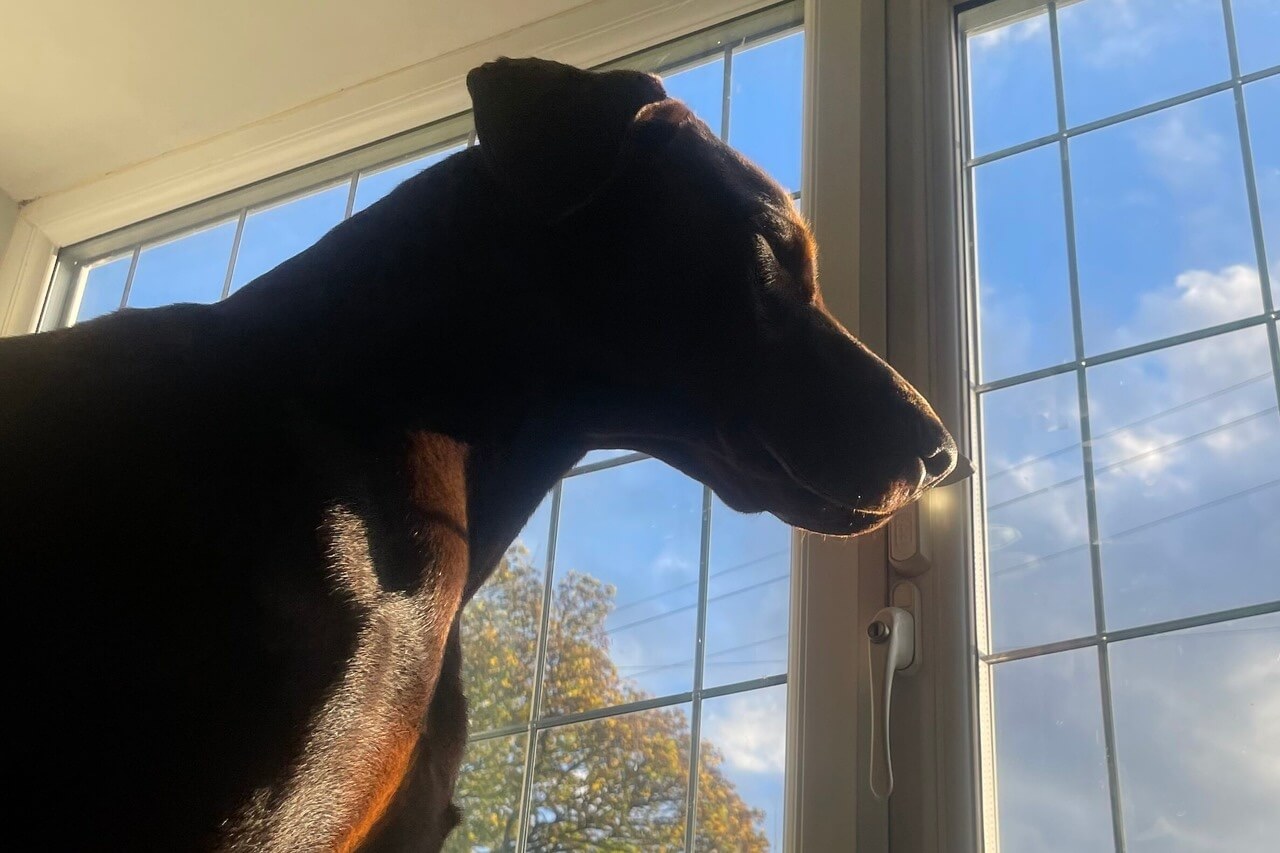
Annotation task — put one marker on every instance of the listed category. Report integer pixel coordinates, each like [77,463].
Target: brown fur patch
[801,254]
[362,739]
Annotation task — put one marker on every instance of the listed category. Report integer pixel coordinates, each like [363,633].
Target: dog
[237,537]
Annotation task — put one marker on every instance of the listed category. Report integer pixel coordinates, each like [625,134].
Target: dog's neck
[421,307]
[424,312]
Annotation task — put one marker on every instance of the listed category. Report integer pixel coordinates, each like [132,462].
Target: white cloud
[1202,298]
[1215,694]
[1207,297]
[1121,40]
[1182,153]
[1198,747]
[671,563]
[1148,463]
[1016,33]
[749,729]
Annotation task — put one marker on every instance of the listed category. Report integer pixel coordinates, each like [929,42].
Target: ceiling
[91,87]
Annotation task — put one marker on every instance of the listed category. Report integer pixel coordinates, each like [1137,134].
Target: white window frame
[879,187]
[913,169]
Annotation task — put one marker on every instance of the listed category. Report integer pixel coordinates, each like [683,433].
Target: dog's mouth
[751,476]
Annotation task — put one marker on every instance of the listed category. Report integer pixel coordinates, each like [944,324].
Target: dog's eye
[778,276]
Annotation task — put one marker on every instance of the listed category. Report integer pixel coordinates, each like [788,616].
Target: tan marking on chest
[363,737]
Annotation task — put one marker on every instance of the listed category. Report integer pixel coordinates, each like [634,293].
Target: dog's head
[695,330]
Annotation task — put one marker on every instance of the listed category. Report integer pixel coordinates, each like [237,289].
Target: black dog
[237,537]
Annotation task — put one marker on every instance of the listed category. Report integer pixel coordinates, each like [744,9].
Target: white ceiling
[88,87]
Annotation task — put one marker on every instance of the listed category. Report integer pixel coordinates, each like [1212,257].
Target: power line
[694,606]
[728,570]
[1114,536]
[648,668]
[1139,422]
[1122,462]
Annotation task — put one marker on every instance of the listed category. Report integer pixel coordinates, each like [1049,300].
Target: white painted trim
[25,270]
[839,584]
[936,796]
[586,35]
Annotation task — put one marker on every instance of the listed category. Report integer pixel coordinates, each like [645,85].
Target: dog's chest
[400,557]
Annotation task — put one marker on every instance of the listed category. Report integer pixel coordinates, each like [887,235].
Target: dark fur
[237,536]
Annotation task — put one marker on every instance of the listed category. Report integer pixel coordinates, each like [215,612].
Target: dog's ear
[553,133]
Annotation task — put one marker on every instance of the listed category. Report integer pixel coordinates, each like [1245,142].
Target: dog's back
[133,621]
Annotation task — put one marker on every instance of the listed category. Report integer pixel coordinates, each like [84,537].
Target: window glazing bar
[1153,629]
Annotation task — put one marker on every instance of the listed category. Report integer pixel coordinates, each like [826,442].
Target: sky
[1186,471]
[1184,439]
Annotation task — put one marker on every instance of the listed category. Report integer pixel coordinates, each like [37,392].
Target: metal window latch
[893,646]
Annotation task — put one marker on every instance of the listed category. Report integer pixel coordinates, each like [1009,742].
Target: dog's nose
[940,461]
[936,448]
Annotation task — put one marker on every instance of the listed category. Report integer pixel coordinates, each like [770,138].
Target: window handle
[892,648]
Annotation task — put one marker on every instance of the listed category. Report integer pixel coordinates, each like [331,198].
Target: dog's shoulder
[399,553]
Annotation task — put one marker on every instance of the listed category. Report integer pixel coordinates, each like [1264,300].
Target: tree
[614,784]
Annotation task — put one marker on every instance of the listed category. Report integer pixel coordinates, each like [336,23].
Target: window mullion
[351,196]
[128,282]
[235,251]
[540,659]
[699,653]
[1086,442]
[1251,191]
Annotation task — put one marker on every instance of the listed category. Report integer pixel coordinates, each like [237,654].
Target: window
[1061,220]
[1120,175]
[626,667]
[215,258]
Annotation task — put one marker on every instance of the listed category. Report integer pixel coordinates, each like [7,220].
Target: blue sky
[1187,474]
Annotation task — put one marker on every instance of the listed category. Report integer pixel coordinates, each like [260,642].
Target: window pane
[1257,33]
[626,593]
[1164,239]
[1197,716]
[741,760]
[1023,286]
[748,597]
[192,268]
[103,288]
[1121,54]
[1039,573]
[1051,769]
[500,631]
[1188,478]
[1011,94]
[374,185]
[702,88]
[1262,101]
[488,793]
[764,111]
[278,233]
[619,783]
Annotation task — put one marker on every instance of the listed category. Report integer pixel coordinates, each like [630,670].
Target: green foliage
[617,784]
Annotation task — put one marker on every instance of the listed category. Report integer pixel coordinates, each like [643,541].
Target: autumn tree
[614,784]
